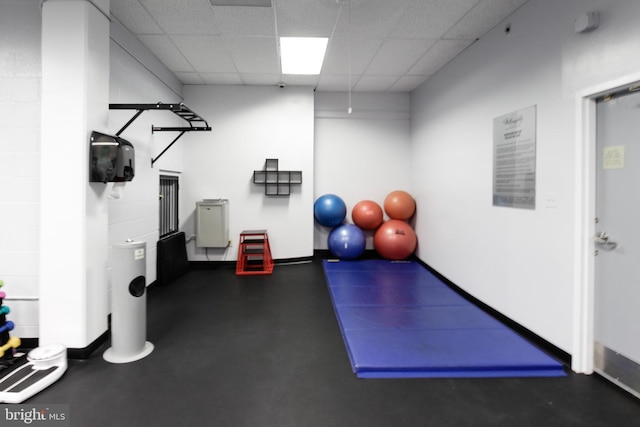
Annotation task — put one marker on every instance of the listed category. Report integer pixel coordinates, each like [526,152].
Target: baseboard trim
[326,254]
[86,352]
[543,344]
[217,264]
[546,346]
[28,344]
[561,355]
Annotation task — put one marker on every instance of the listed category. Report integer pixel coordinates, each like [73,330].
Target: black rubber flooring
[267,351]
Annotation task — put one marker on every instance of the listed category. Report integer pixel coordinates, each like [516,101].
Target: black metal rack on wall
[196,123]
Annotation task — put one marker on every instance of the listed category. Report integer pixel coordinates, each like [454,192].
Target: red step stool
[254,253]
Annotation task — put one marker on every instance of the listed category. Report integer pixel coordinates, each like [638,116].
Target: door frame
[582,360]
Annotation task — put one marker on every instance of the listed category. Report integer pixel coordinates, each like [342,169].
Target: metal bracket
[167,147]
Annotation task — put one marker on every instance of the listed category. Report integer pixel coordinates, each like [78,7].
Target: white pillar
[73,212]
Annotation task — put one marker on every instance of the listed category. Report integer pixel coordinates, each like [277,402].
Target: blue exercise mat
[398,320]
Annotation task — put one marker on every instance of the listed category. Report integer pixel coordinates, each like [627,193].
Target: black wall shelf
[276,182]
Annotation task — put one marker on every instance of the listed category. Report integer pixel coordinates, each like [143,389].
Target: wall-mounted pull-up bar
[196,123]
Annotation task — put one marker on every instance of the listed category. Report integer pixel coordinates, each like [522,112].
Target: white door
[617,240]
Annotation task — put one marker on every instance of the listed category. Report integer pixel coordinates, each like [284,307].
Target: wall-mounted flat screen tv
[112,159]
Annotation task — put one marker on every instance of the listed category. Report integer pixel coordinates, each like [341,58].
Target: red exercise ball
[395,240]
[367,215]
[399,205]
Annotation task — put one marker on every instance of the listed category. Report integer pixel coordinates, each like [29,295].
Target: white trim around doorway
[585,205]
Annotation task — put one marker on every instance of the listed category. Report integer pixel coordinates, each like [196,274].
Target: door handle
[602,241]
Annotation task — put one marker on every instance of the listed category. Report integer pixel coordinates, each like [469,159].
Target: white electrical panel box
[212,223]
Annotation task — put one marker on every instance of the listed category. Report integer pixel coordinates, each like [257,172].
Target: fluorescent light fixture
[302,55]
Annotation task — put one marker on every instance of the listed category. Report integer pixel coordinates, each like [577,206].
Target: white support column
[73,212]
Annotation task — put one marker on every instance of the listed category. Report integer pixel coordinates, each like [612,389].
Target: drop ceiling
[374,45]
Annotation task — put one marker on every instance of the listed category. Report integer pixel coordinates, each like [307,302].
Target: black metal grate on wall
[168,205]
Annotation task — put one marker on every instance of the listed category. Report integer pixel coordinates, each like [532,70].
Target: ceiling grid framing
[395,46]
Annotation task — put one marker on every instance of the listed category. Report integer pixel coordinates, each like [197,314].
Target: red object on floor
[254,253]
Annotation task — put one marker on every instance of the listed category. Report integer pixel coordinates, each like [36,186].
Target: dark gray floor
[267,351]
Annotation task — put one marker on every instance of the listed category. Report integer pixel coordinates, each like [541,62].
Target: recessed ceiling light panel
[302,55]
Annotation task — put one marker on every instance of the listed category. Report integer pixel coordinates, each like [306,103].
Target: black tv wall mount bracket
[196,123]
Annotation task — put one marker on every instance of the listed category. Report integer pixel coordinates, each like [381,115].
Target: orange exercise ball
[399,205]
[367,215]
[395,240]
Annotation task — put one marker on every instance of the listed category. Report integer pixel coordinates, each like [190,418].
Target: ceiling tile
[245,21]
[375,83]
[207,54]
[243,3]
[333,83]
[337,58]
[483,17]
[396,57]
[369,18]
[260,79]
[221,78]
[379,45]
[440,54]
[134,17]
[254,54]
[190,78]
[407,83]
[430,19]
[163,48]
[183,16]
[300,80]
[306,18]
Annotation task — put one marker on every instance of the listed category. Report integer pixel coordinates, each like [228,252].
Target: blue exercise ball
[329,210]
[347,241]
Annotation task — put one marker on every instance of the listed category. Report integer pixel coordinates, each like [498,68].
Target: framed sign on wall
[514,159]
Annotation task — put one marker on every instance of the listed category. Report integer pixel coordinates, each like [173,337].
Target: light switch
[551,200]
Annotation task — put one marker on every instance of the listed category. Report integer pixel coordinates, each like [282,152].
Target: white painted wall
[20,78]
[135,77]
[520,262]
[363,155]
[73,212]
[138,78]
[249,125]
[358,156]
